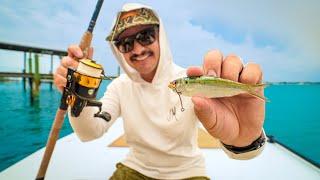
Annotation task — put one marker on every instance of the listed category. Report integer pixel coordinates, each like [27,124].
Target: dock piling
[36,76]
[51,70]
[24,70]
[30,78]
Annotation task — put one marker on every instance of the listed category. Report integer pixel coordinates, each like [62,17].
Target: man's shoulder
[123,79]
[179,71]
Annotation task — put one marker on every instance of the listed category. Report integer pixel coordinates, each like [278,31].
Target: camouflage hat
[132,18]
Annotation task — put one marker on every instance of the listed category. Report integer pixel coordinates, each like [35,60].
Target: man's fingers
[67,62]
[59,78]
[62,71]
[194,71]
[251,74]
[75,51]
[212,63]
[231,67]
[205,113]
[59,81]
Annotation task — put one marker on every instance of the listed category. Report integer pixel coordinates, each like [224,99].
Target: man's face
[143,58]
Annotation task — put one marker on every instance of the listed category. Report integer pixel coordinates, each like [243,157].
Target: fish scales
[213,87]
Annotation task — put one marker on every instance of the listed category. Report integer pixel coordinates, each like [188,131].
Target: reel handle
[104,115]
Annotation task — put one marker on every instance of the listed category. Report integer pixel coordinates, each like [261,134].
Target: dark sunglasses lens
[125,45]
[146,37]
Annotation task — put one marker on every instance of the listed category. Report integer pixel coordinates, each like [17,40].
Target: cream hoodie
[162,139]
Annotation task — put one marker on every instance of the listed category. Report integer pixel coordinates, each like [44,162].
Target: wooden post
[24,70]
[36,75]
[51,72]
[30,78]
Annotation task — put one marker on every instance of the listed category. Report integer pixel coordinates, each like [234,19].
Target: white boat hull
[73,159]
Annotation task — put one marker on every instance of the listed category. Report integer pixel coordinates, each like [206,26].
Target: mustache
[143,53]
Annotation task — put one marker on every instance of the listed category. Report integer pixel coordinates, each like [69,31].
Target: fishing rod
[80,91]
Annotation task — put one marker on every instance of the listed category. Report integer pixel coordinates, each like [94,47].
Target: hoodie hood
[165,65]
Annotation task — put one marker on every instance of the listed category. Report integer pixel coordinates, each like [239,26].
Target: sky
[282,36]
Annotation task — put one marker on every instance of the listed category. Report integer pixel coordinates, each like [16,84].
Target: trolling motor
[82,87]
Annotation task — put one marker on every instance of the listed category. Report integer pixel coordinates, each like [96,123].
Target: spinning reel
[82,87]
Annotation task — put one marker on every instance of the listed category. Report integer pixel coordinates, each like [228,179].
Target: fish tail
[261,85]
[253,91]
[255,94]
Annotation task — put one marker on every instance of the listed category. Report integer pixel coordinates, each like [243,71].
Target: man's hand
[74,52]
[236,120]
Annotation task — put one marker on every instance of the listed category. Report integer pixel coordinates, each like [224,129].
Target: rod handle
[54,135]
[85,43]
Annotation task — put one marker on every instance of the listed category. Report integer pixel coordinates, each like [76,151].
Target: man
[163,144]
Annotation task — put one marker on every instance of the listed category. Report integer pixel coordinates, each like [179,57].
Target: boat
[73,159]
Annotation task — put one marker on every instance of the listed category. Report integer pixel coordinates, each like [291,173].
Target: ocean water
[293,118]
[24,127]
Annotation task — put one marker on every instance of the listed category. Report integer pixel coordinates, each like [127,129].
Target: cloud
[289,51]
[281,36]
[289,20]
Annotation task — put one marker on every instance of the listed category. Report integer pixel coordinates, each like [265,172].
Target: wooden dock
[25,75]
[43,76]
[31,66]
[47,77]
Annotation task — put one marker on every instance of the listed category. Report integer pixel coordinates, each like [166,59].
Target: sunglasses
[144,38]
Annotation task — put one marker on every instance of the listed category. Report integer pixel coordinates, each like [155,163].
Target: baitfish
[213,87]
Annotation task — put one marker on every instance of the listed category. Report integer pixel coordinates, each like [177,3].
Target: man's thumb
[205,112]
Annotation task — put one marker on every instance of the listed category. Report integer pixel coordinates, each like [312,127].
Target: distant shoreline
[291,83]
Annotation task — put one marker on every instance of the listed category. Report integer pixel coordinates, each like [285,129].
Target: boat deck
[73,159]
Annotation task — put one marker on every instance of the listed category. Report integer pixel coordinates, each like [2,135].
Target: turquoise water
[293,117]
[24,127]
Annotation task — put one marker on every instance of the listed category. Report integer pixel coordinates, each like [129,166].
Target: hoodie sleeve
[246,155]
[86,126]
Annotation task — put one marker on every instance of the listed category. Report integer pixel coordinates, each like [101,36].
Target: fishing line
[179,94]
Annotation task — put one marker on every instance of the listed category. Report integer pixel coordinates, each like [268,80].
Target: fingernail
[79,54]
[211,73]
